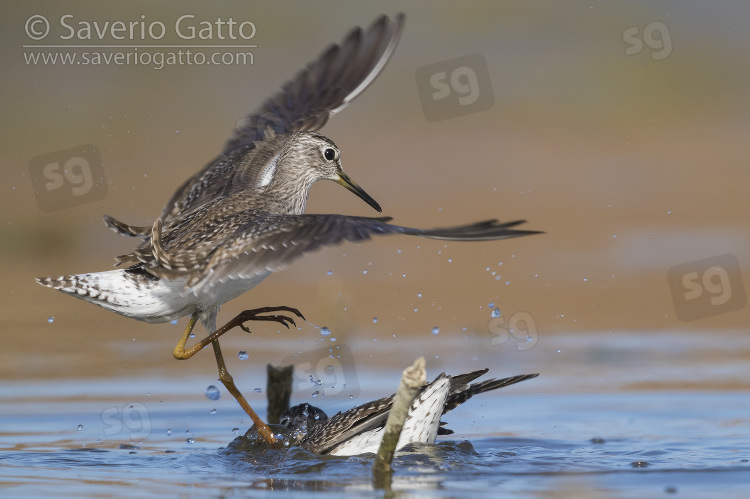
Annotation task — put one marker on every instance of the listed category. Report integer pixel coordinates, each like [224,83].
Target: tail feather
[77,285]
[125,229]
[130,292]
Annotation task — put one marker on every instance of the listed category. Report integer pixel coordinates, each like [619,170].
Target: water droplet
[435,330]
[315,394]
[257,390]
[80,427]
[496,312]
[192,335]
[51,320]
[491,305]
[364,271]
[190,441]
[213,411]
[329,272]
[169,431]
[236,431]
[374,320]
[242,355]
[325,331]
[419,295]
[212,393]
[174,322]
[450,260]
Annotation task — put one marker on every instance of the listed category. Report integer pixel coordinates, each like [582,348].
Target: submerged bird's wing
[462,392]
[271,242]
[324,436]
[421,424]
[304,103]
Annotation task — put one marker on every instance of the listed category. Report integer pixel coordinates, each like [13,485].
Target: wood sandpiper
[242,216]
[360,429]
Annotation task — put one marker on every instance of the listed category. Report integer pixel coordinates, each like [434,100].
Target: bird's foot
[255,315]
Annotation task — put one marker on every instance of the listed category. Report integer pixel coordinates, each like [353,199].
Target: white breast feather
[269,171]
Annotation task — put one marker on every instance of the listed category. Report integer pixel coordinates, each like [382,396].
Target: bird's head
[299,418]
[308,157]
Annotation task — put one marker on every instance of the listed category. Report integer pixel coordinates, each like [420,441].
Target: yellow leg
[263,430]
[181,353]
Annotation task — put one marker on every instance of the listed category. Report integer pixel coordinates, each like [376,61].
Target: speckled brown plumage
[359,429]
[242,216]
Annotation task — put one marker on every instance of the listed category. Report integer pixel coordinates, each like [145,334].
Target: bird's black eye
[329,154]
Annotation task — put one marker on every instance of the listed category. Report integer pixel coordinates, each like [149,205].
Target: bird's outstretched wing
[304,103]
[325,86]
[461,391]
[272,242]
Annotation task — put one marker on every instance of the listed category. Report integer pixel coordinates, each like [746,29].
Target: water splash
[212,393]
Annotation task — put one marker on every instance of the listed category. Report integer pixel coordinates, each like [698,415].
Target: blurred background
[615,128]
